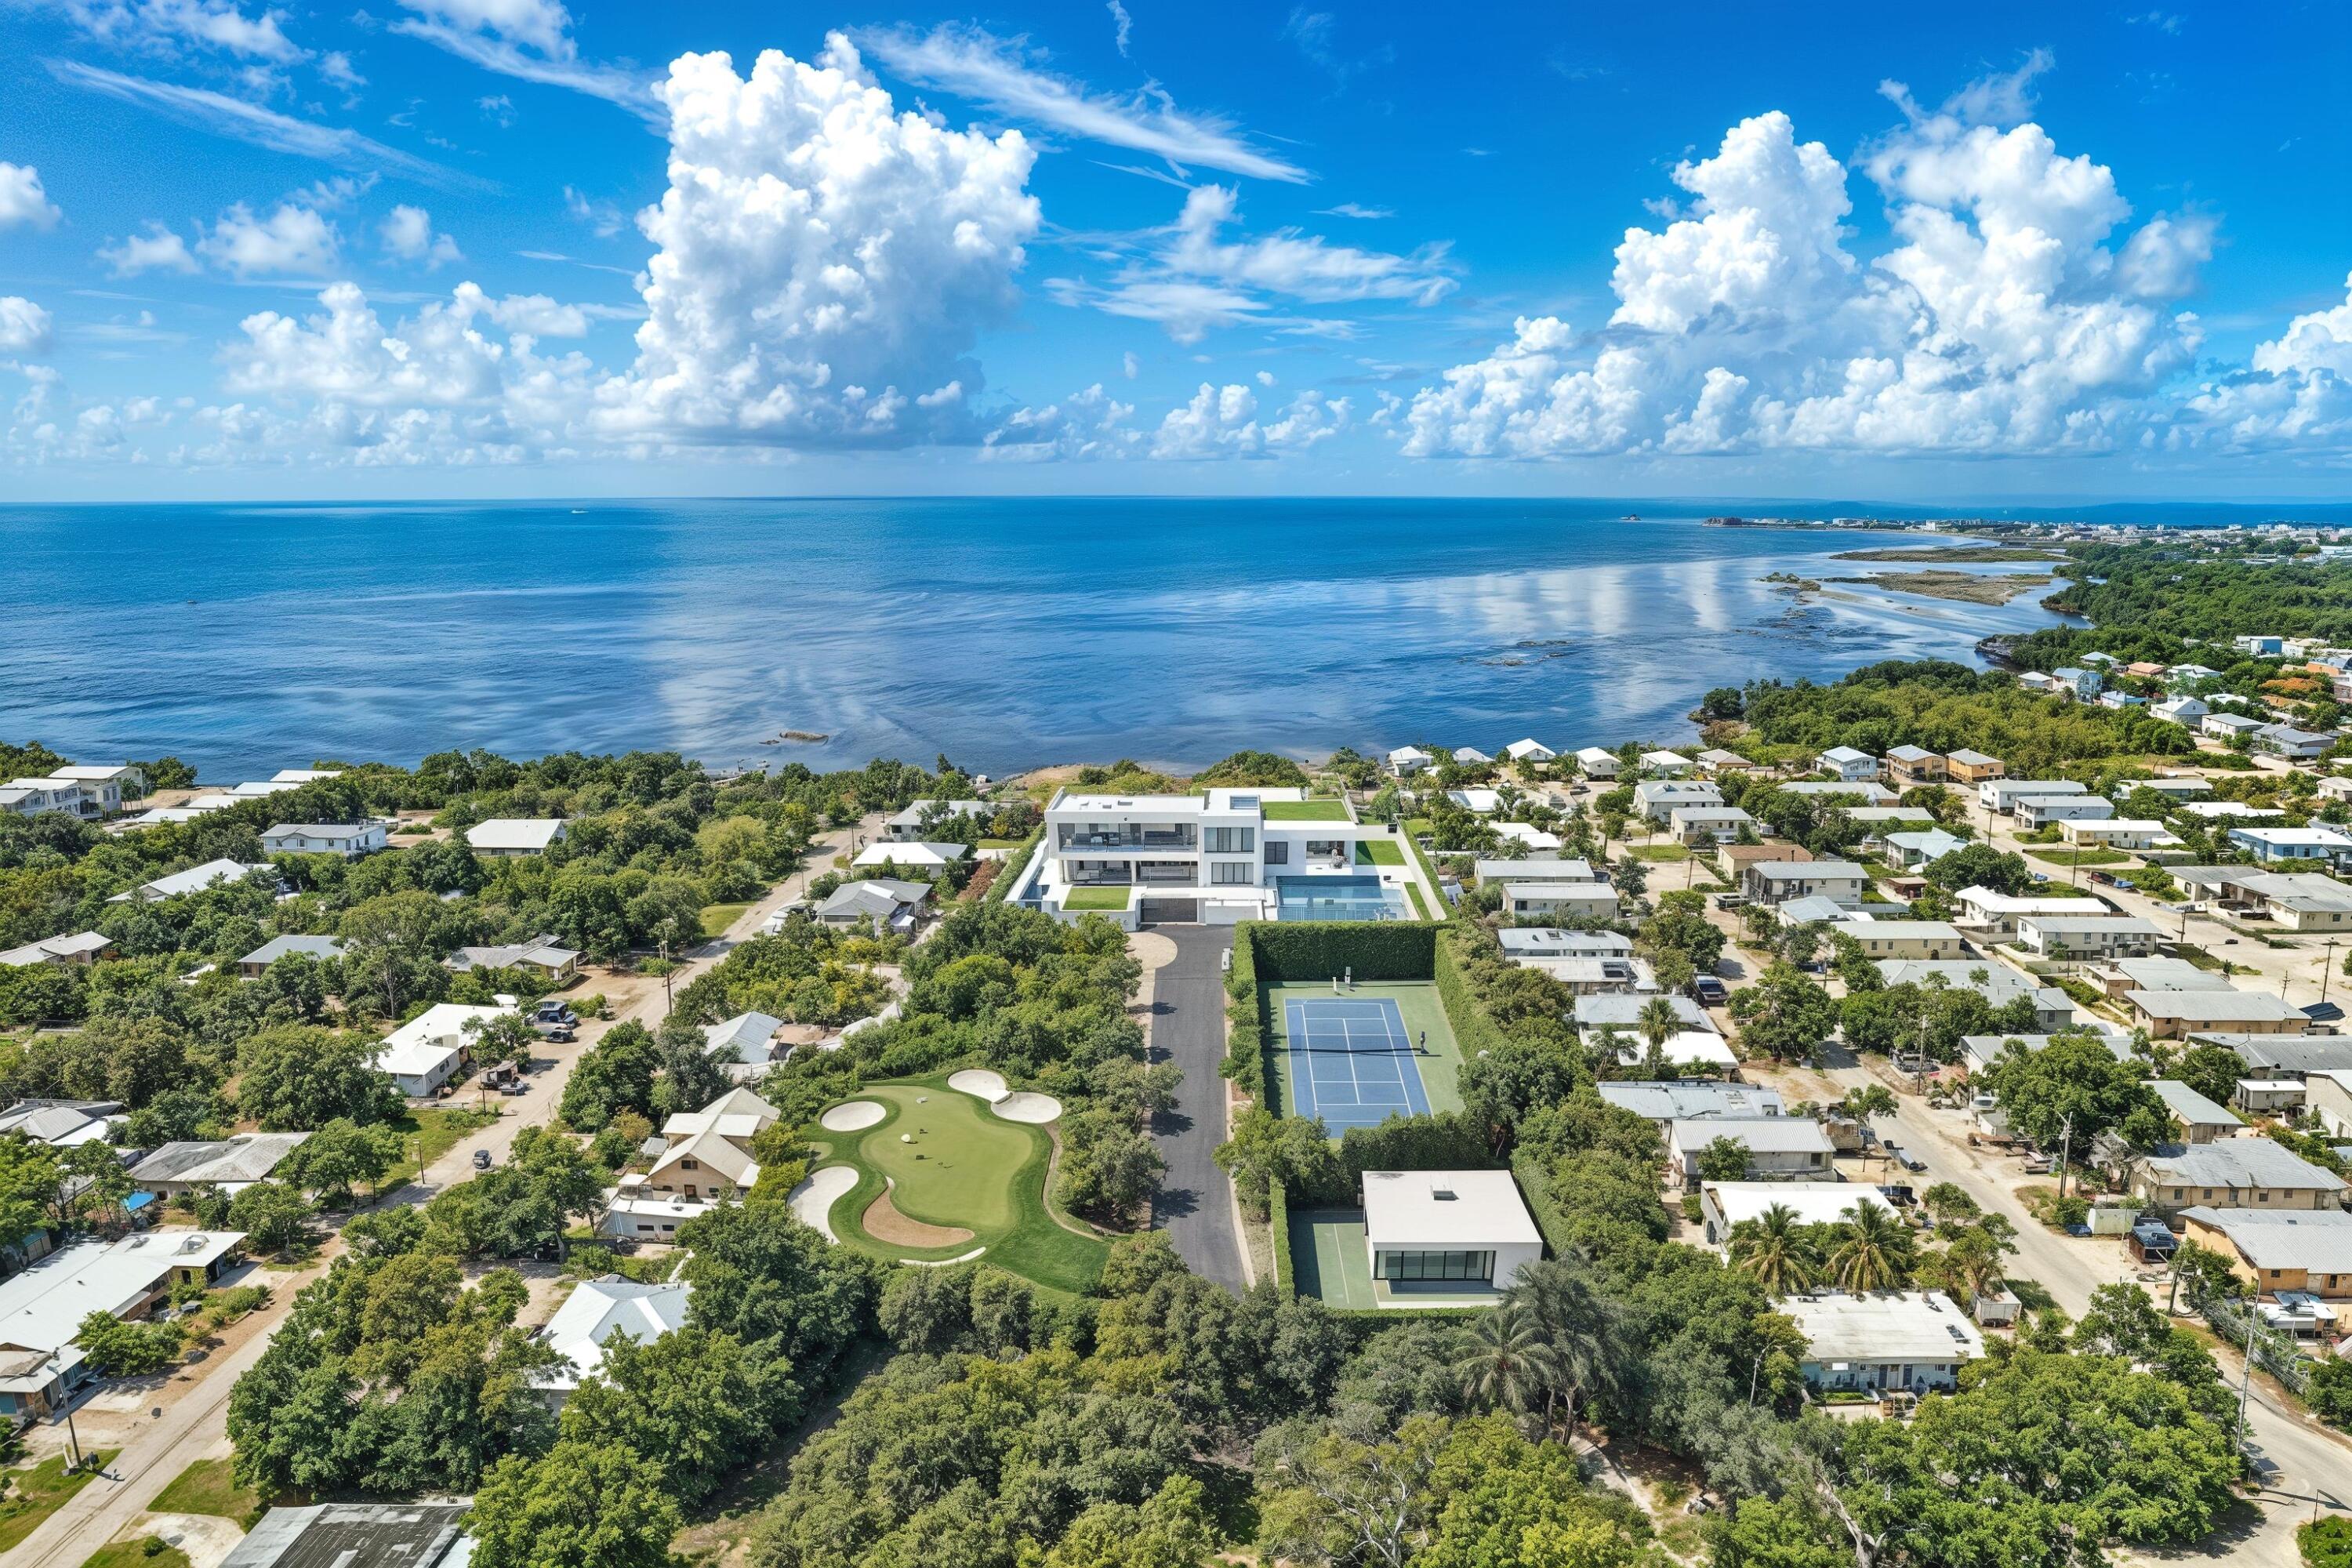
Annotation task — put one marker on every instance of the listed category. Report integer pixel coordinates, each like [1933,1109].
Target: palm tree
[1874,1251]
[1584,1329]
[1505,1362]
[1658,1022]
[1773,1250]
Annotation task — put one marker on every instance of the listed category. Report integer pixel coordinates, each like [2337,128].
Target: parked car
[482,1161]
[560,1034]
[518,1087]
[554,1013]
[1710,991]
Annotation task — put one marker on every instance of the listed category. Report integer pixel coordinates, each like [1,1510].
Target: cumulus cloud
[2004,317]
[1084,425]
[824,259]
[407,235]
[293,240]
[2296,392]
[25,327]
[157,250]
[979,65]
[1224,422]
[23,203]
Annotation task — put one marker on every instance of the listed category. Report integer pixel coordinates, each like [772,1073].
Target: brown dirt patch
[884,1223]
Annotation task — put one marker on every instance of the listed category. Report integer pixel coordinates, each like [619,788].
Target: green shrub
[1286,1276]
[2326,1542]
[1318,950]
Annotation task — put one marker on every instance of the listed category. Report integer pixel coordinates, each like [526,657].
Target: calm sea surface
[1004,633]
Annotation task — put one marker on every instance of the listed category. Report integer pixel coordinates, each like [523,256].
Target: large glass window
[1415,1267]
[1277,852]
[1232,840]
[1232,873]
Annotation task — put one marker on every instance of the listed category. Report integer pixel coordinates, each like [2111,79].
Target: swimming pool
[1336,898]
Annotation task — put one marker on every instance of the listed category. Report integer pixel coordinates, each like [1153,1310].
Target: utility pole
[2246,1378]
[2326,969]
[2065,1150]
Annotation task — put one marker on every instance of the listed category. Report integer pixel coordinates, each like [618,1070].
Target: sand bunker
[941,1262]
[979,1081]
[852,1115]
[814,1199]
[1039,1108]
[883,1222]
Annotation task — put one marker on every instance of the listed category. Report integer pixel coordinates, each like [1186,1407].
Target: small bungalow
[510,837]
[1915,1340]
[318,948]
[348,839]
[1445,1233]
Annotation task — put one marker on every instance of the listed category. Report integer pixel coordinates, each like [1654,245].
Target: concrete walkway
[1195,1206]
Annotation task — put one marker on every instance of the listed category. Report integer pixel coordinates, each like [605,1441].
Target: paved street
[1195,1206]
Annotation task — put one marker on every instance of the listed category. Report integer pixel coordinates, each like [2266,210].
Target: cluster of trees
[806,974]
[1869,1248]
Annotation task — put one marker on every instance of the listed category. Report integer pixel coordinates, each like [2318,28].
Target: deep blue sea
[1005,633]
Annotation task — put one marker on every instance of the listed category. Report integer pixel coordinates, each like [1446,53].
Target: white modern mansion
[1218,858]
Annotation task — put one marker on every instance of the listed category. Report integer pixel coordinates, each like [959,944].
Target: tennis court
[1351,1060]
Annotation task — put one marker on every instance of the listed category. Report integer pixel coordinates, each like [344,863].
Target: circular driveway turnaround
[852,1115]
[979,1081]
[814,1199]
[1037,1109]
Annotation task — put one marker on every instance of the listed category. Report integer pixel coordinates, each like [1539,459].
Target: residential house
[290,777]
[232,1164]
[2120,699]
[1578,901]
[2199,1120]
[2128,974]
[1815,909]
[2314,845]
[1477,802]
[1530,752]
[1723,1206]
[1847,763]
[705,1160]
[1586,963]
[77,951]
[2037,811]
[1983,909]
[2297,902]
[2175,787]
[1714,762]
[432,1047]
[511,838]
[1913,1340]
[1692,1102]
[318,948]
[2279,1250]
[1534,868]
[1905,939]
[1909,768]
[1776,881]
[43,1306]
[61,1124]
[593,1313]
[2091,936]
[1779,1148]
[2327,1094]
[1471,757]
[2175,1014]
[2230,1173]
[541,956]
[349,839]
[2336,787]
[2286,740]
[2042,682]
[2260,647]
[2118,833]
[744,1045]
[1445,1233]
[1622,1013]
[1406,761]
[2227,726]
[105,786]
[1666,764]
[358,1535]
[1706,825]
[1996,982]
[2082,684]
[36,797]
[1967,767]
[2185,711]
[2000,795]
[2278,1097]
[1918,851]
[1534,839]
[195,880]
[1596,764]
[1690,1052]
[911,855]
[1978,1052]
[2284,1056]
[922,817]
[1861,790]
[1732,860]
[1656,799]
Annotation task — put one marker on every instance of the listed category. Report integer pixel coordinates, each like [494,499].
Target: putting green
[952,1162]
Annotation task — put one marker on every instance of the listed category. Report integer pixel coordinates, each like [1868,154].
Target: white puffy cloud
[407,235]
[23,326]
[825,260]
[2003,319]
[292,240]
[158,249]
[1224,422]
[23,202]
[1084,425]
[2298,393]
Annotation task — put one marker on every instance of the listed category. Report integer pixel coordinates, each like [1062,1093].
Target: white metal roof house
[597,1310]
[1595,763]
[746,1041]
[1776,881]
[43,1305]
[1471,755]
[2100,935]
[1445,1234]
[195,880]
[1529,750]
[349,839]
[886,902]
[1685,1050]
[319,948]
[508,837]
[232,1164]
[426,1052]
[2232,1173]
[1847,763]
[1724,1204]
[1910,1340]
[1406,761]
[1779,1148]
[1688,1102]
[1591,900]
[911,855]
[542,955]
[79,950]
[2199,1119]
[2280,1249]
[1867,791]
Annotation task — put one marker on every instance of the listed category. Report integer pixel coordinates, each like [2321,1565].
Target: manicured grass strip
[1419,906]
[1379,852]
[35,1494]
[428,1134]
[1306,811]
[208,1487]
[1660,852]
[1326,1250]
[967,1167]
[716,918]
[135,1554]
[1095,898]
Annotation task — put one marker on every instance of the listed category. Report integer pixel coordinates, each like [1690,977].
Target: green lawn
[1420,907]
[1417,1004]
[1095,898]
[134,1554]
[965,1166]
[1418,826]
[1305,810]
[35,1494]
[1329,1259]
[1660,852]
[716,918]
[1379,852]
[429,1133]
[207,1487]
[2080,856]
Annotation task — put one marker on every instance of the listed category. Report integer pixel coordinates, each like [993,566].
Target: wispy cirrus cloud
[540,53]
[974,64]
[239,120]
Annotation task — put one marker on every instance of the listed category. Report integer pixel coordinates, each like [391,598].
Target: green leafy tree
[1784,1014]
[2075,1088]
[299,1078]
[116,1349]
[585,1505]
[1776,1250]
[614,1074]
[274,1217]
[1724,1158]
[342,1155]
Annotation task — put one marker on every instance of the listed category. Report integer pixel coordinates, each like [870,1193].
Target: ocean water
[1005,633]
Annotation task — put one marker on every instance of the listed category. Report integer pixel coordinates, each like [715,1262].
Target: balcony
[1146,873]
[1126,836]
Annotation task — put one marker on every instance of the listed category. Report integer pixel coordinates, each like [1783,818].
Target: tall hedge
[1016,861]
[1543,1206]
[1473,1030]
[1246,1039]
[1444,1140]
[1311,950]
[1286,1276]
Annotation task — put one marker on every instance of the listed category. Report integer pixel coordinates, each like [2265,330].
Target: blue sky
[499,247]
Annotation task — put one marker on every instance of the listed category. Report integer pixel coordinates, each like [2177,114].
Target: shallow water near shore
[1002,633]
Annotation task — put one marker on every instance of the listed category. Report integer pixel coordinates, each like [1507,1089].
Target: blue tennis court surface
[1351,1061]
